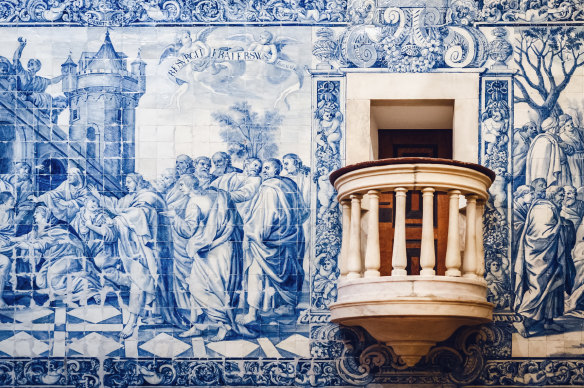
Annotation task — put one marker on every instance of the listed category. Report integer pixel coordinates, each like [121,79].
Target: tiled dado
[94,332]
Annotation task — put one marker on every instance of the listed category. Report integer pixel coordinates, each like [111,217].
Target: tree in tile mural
[538,52]
[548,153]
[248,135]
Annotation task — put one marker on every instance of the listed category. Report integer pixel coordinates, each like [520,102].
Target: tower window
[74,114]
[91,145]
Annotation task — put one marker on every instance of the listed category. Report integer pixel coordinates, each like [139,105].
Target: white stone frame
[362,87]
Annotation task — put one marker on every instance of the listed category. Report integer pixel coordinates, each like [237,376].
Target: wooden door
[435,143]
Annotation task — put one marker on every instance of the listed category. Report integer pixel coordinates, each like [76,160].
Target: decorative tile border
[115,13]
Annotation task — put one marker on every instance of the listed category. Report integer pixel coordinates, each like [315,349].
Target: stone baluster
[453,244]
[480,247]
[372,253]
[343,259]
[399,258]
[469,263]
[354,254]
[427,254]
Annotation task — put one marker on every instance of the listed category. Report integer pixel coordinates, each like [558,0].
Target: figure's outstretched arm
[18,54]
[246,191]
[55,80]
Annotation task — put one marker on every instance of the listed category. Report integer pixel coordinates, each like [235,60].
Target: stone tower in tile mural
[103,95]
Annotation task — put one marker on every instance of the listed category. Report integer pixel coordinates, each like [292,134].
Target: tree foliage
[547,58]
[248,134]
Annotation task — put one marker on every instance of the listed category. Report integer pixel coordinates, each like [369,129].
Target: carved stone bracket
[361,359]
[459,360]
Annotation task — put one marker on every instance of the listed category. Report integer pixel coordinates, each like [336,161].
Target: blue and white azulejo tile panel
[156,194]
[165,211]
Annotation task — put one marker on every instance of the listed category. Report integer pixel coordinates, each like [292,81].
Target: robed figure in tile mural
[19,184]
[213,231]
[547,156]
[66,200]
[241,186]
[547,233]
[32,86]
[543,268]
[143,240]
[574,139]
[176,202]
[273,246]
[58,253]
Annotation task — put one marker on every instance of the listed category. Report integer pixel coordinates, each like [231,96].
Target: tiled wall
[165,211]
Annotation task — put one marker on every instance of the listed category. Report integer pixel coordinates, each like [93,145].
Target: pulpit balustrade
[411,312]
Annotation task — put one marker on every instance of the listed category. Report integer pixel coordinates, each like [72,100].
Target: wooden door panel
[406,143]
[413,231]
[431,143]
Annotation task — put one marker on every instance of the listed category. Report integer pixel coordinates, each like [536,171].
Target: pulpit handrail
[410,160]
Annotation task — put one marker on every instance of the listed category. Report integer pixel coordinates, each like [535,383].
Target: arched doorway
[51,175]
